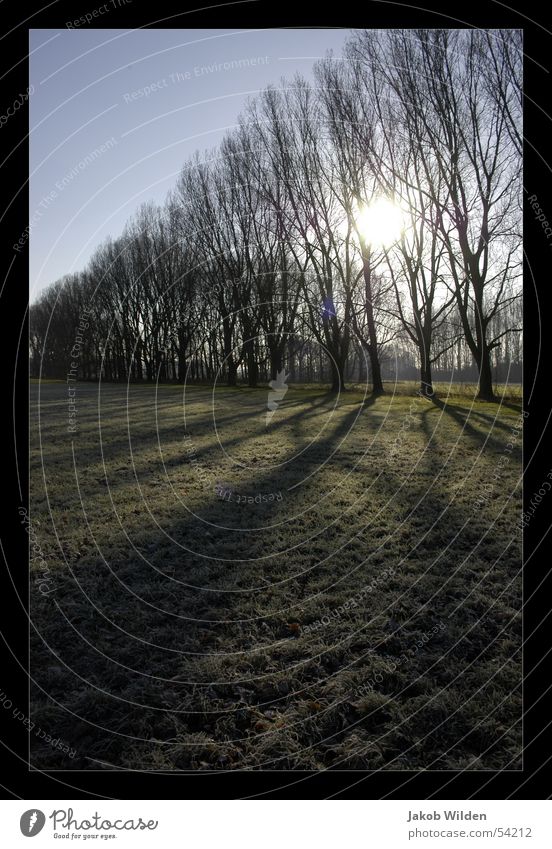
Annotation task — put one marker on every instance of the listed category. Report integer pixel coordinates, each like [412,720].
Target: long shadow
[180,598]
[458,581]
[460,417]
[491,420]
[118,451]
[156,585]
[510,405]
[136,615]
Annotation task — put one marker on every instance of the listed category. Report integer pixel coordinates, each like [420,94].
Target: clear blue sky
[90,90]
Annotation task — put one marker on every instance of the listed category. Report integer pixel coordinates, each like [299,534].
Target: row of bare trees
[259,261]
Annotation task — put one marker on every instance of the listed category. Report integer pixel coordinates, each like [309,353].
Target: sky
[115,114]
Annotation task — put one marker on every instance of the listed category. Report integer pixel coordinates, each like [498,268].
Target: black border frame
[16,779]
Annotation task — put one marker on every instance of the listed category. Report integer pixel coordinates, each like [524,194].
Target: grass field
[339,588]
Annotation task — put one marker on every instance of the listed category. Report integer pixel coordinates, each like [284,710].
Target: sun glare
[380,223]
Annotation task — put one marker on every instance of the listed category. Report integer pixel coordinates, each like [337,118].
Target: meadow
[337,587]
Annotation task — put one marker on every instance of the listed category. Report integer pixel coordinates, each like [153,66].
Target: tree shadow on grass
[209,647]
[461,416]
[144,617]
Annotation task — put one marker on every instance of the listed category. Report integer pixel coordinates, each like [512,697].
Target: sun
[381,223]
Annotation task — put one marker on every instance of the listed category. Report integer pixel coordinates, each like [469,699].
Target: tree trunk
[362,367]
[291,357]
[275,362]
[181,355]
[377,383]
[252,367]
[426,379]
[338,377]
[426,382]
[485,377]
[232,376]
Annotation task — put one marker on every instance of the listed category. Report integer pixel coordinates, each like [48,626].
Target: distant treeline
[261,260]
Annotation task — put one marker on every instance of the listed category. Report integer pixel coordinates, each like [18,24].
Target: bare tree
[437,94]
